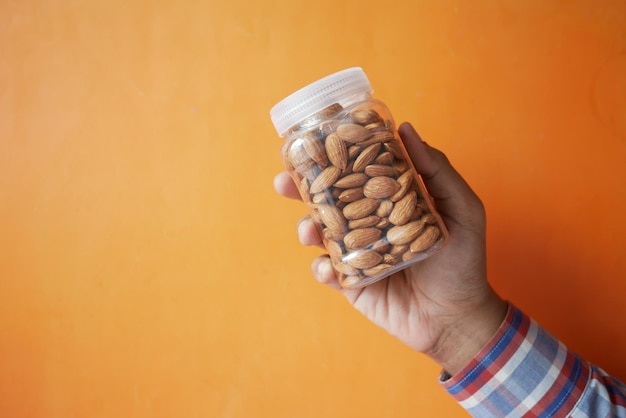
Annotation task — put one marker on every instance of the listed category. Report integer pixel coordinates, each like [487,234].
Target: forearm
[523,370]
[464,337]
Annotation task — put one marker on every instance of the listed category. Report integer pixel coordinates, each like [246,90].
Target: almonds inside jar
[372,211]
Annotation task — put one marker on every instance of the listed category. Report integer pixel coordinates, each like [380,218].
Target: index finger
[454,198]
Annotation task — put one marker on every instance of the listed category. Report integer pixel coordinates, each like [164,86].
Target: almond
[385,158]
[396,149]
[363,222]
[417,214]
[345,269]
[298,157]
[351,180]
[384,136]
[334,249]
[384,223]
[352,133]
[348,169]
[329,111]
[365,116]
[336,151]
[304,190]
[429,219]
[314,147]
[379,137]
[423,205]
[332,235]
[363,259]
[351,195]
[403,209]
[380,187]
[353,151]
[404,234]
[426,239]
[382,246]
[360,209]
[328,127]
[408,255]
[325,179]
[376,126]
[320,116]
[332,217]
[367,156]
[321,198]
[361,238]
[398,250]
[405,180]
[376,270]
[385,208]
[391,259]
[401,165]
[375,170]
[351,281]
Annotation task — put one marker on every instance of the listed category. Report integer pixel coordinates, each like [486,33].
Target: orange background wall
[147,269]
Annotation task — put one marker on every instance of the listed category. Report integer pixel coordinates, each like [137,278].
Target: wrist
[464,337]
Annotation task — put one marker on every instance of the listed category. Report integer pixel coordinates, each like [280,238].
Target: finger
[284,185]
[307,233]
[324,273]
[453,196]
[440,177]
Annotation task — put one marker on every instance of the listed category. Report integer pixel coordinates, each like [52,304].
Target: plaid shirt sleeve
[526,372]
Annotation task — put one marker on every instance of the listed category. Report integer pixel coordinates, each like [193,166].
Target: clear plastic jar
[363,193]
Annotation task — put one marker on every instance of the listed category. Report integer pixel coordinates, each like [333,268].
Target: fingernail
[325,270]
[302,229]
[300,232]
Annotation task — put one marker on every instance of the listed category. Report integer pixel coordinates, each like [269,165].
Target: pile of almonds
[352,172]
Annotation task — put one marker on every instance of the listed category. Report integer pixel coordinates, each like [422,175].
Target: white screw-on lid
[318,95]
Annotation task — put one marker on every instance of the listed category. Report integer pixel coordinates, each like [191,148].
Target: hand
[443,305]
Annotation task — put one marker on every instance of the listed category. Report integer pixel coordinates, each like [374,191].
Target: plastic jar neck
[325,113]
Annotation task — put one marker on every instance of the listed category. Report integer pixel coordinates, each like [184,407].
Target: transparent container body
[362,191]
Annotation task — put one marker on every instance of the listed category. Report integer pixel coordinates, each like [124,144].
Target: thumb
[454,199]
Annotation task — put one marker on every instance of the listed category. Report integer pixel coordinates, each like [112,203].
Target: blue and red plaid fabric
[526,372]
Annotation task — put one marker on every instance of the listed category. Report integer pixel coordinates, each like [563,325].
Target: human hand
[442,306]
